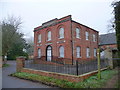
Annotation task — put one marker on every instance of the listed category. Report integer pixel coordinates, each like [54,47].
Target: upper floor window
[87,35]
[61,33]
[94,38]
[49,36]
[78,52]
[87,52]
[39,52]
[95,52]
[77,33]
[39,38]
[61,51]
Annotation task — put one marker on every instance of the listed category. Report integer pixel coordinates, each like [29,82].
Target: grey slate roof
[107,39]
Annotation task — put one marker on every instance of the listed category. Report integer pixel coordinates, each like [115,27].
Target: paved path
[13,82]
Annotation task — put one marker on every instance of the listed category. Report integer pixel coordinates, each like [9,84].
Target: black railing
[80,67]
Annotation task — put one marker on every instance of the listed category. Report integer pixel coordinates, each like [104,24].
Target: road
[13,82]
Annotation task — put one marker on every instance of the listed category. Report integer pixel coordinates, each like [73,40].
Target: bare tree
[30,46]
[10,27]
[111,25]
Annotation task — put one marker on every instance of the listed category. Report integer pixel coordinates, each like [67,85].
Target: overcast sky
[93,13]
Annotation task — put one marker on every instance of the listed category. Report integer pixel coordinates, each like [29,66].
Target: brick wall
[20,61]
[71,78]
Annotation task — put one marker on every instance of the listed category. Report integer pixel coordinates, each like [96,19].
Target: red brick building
[108,41]
[64,40]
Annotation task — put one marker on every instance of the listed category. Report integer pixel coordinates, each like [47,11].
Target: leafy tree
[17,47]
[116,6]
[12,40]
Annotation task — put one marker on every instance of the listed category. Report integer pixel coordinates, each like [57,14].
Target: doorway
[49,53]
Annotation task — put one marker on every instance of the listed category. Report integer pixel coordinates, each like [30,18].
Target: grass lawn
[91,82]
[5,65]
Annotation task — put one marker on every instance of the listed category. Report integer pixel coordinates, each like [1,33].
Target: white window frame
[78,52]
[39,38]
[77,33]
[39,53]
[49,36]
[95,52]
[61,52]
[87,52]
[94,38]
[61,33]
[87,35]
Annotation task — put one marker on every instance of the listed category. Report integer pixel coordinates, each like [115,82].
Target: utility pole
[98,58]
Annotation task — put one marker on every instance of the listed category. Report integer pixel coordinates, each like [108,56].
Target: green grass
[117,85]
[5,65]
[91,82]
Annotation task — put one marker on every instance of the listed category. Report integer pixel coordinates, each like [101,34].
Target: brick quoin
[69,42]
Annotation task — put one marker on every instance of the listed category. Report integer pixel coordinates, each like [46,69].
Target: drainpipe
[72,43]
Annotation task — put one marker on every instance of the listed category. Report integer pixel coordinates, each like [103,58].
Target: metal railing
[79,68]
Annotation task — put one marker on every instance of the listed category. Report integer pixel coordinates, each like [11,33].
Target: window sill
[61,38]
[60,57]
[78,38]
[38,42]
[79,57]
[48,40]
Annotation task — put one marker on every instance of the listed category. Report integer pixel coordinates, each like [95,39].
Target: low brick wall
[71,78]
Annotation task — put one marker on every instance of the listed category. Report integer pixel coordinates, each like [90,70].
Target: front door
[49,53]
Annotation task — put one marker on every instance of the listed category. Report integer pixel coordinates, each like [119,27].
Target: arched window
[77,33]
[61,33]
[87,35]
[94,38]
[95,52]
[78,52]
[39,38]
[49,35]
[39,52]
[61,51]
[87,52]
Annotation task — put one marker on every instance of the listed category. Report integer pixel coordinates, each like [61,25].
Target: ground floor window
[78,53]
[87,52]
[61,51]
[95,52]
[39,52]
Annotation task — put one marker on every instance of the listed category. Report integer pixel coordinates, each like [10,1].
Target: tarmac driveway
[13,82]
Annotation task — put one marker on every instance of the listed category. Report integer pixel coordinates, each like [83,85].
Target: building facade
[64,40]
[108,41]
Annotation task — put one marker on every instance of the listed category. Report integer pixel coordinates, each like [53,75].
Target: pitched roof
[107,39]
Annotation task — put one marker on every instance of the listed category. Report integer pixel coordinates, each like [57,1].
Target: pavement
[13,82]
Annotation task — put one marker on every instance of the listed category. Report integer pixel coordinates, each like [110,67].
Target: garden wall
[71,78]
